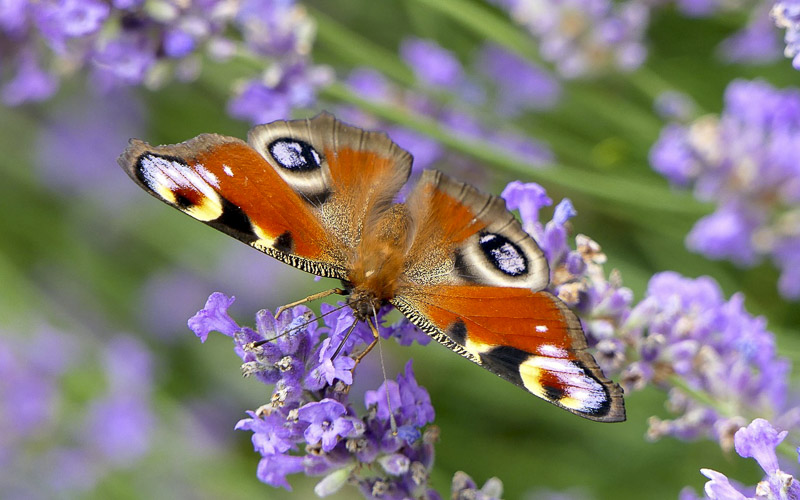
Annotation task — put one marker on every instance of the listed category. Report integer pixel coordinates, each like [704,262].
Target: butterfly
[320,195]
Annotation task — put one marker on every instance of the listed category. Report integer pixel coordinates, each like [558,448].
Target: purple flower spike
[417,408]
[528,198]
[325,422]
[431,63]
[520,85]
[214,316]
[724,234]
[786,15]
[31,83]
[583,37]
[744,160]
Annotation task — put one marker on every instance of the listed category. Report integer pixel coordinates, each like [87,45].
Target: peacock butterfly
[320,195]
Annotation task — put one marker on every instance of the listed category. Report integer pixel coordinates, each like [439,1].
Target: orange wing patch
[228,185]
[528,338]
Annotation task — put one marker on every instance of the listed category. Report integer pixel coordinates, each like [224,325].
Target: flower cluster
[43,454]
[683,336]
[758,441]
[744,161]
[386,452]
[687,338]
[438,70]
[577,276]
[786,15]
[133,42]
[583,37]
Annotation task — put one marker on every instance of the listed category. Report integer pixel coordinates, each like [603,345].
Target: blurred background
[104,391]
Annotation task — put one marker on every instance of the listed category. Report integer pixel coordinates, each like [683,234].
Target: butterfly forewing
[359,172]
[226,184]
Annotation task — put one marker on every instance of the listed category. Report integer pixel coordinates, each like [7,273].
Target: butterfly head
[365,303]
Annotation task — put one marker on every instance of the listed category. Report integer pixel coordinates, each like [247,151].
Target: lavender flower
[108,428]
[684,328]
[130,42]
[81,138]
[758,440]
[756,42]
[521,86]
[326,424]
[786,15]
[582,37]
[432,64]
[371,85]
[744,161]
[386,452]
[683,336]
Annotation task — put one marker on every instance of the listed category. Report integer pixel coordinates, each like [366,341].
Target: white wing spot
[227,170]
[207,175]
[165,177]
[541,328]
[552,351]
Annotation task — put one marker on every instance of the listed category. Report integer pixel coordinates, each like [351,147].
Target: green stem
[354,47]
[487,24]
[784,447]
[604,187]
[699,396]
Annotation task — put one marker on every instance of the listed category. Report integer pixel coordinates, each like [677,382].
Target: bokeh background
[105,393]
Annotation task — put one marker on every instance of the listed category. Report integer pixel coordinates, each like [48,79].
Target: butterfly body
[321,196]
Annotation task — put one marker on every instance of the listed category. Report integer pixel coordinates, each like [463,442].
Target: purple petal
[214,316]
[273,469]
[759,440]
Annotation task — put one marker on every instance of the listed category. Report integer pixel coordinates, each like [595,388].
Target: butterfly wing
[474,281]
[299,191]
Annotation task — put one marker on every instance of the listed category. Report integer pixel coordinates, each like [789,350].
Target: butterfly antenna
[314,319]
[392,421]
[346,336]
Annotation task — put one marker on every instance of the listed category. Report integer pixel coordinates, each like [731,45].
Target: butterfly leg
[370,346]
[310,298]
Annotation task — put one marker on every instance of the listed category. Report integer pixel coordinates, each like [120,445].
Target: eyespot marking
[182,185]
[553,393]
[294,154]
[503,254]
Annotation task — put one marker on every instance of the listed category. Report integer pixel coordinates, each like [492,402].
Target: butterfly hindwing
[528,338]
[466,236]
